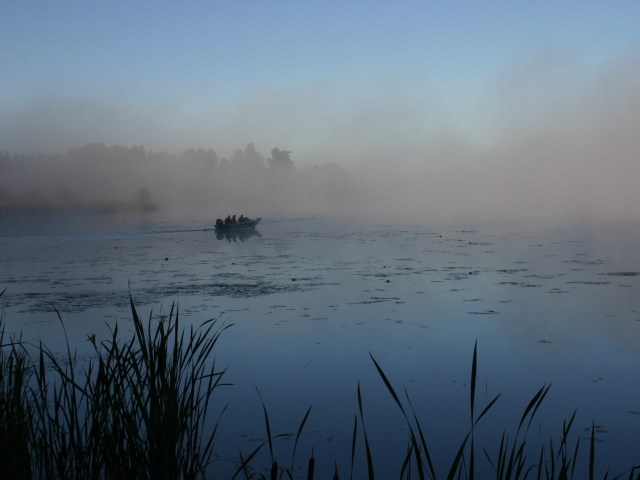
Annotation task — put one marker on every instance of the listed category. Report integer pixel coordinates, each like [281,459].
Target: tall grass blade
[369,457]
[474,366]
[531,404]
[458,458]
[472,460]
[592,451]
[388,384]
[137,323]
[455,466]
[520,463]
[295,443]
[404,413]
[575,458]
[311,467]
[422,437]
[487,408]
[407,459]
[366,439]
[488,457]
[474,377]
[538,403]
[268,427]
[244,462]
[540,462]
[353,444]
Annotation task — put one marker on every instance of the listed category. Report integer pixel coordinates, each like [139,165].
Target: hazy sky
[326,79]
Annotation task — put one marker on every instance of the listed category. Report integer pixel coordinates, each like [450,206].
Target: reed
[513,460]
[138,409]
[15,408]
[141,408]
[276,471]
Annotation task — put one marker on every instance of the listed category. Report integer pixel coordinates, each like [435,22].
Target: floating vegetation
[78,301]
[521,284]
[376,300]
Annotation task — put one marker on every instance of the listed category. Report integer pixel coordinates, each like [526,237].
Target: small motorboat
[238,226]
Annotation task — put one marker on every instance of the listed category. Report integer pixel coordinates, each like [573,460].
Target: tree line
[116,178]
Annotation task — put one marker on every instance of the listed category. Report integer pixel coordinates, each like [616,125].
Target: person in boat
[227,220]
[219,222]
[233,219]
[241,219]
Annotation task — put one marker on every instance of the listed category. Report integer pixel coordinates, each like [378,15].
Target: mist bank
[551,141]
[551,178]
[113,179]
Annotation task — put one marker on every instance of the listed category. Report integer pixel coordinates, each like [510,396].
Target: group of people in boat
[232,220]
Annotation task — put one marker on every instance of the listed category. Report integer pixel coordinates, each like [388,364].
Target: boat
[238,227]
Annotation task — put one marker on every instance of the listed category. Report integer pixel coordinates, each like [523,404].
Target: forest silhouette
[117,178]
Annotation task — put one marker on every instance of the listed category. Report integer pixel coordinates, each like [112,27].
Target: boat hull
[238,227]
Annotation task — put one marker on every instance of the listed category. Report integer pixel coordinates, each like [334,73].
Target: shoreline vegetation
[143,407]
[117,179]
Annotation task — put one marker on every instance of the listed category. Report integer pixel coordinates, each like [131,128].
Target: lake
[311,298]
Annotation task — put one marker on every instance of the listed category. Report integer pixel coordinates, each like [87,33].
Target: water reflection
[234,236]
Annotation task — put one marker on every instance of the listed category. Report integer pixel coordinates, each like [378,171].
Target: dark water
[311,298]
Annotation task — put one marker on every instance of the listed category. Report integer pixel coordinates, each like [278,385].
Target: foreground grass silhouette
[140,409]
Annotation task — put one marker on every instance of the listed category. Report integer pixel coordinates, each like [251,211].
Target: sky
[450,109]
[315,77]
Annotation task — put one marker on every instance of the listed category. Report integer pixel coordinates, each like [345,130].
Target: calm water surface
[311,298]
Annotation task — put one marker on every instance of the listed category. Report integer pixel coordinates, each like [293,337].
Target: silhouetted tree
[224,163]
[249,159]
[238,157]
[252,158]
[144,201]
[201,158]
[280,159]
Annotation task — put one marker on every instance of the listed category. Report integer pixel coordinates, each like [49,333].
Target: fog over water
[551,141]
